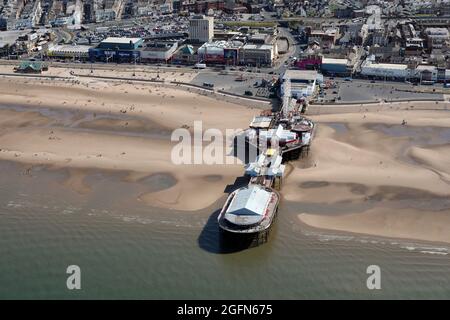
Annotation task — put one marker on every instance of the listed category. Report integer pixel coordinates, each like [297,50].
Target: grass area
[250,23]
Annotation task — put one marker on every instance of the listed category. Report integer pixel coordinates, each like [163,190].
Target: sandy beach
[396,178]
[116,126]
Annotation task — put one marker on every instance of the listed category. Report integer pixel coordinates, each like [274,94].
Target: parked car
[209,85]
[248,93]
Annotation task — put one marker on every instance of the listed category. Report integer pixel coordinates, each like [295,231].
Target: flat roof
[121,40]
[425,67]
[259,36]
[300,74]
[333,60]
[160,49]
[70,48]
[258,46]
[250,201]
[386,66]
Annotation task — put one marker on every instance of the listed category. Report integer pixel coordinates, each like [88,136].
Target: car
[348,79]
[248,93]
[372,81]
[207,84]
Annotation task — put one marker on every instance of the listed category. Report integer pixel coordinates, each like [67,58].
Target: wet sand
[369,173]
[123,127]
[393,179]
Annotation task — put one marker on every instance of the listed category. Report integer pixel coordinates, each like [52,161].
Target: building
[202,6]
[31,13]
[372,69]
[104,15]
[335,66]
[158,51]
[31,67]
[117,50]
[249,205]
[343,11]
[201,28]
[302,82]
[121,43]
[325,39]
[413,46]
[437,38]
[309,62]
[186,54]
[220,52]
[65,51]
[166,8]
[257,54]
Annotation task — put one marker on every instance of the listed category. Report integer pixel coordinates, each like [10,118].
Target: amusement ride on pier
[278,137]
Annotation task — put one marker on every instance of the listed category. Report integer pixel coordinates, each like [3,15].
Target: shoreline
[83,125]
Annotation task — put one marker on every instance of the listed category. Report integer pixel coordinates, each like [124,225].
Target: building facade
[117,50]
[201,28]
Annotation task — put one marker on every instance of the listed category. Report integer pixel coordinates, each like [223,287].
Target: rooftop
[300,74]
[121,40]
[257,46]
[159,46]
[334,61]
[390,66]
[250,201]
[70,48]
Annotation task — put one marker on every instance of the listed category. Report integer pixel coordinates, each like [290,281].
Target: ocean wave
[374,241]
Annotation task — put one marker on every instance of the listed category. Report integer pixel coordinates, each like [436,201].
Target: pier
[278,137]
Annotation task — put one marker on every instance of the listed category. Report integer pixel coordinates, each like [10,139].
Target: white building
[385,70]
[69,51]
[159,51]
[302,82]
[201,28]
[249,205]
[369,68]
